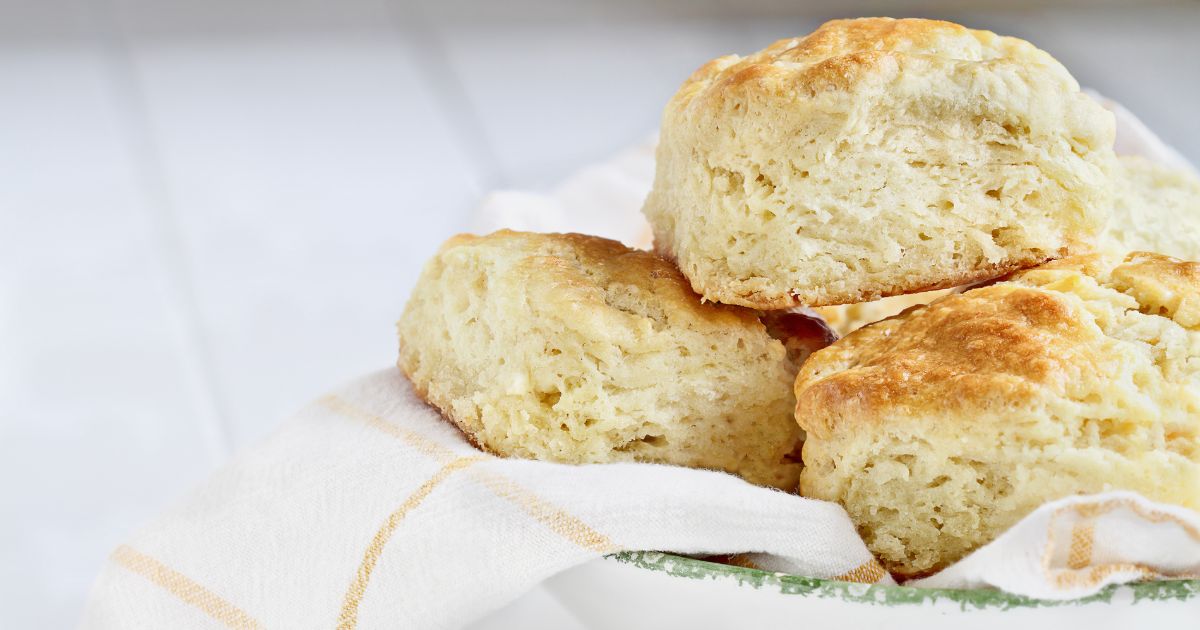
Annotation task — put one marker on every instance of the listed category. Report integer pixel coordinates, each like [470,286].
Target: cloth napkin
[368,510]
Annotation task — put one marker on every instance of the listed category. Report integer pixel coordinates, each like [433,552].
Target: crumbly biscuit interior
[923,169]
[550,355]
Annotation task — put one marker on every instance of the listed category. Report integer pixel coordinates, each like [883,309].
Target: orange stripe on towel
[869,572]
[349,616]
[182,587]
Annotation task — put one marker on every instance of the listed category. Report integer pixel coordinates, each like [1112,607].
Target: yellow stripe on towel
[557,519]
[869,572]
[183,588]
[349,616]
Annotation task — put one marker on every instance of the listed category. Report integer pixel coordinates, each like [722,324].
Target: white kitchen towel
[368,510]
[1073,547]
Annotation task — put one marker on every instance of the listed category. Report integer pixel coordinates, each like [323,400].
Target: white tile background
[212,212]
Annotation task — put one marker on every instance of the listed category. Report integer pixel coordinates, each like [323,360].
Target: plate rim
[889,595]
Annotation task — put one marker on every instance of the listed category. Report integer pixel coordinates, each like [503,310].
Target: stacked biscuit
[872,167]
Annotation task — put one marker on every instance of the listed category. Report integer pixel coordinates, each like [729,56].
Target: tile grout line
[161,213]
[428,49]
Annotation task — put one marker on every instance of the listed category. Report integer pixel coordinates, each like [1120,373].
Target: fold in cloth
[367,509]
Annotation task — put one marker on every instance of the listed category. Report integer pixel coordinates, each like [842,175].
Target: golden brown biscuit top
[597,284]
[591,279]
[838,37]
[1044,330]
[842,53]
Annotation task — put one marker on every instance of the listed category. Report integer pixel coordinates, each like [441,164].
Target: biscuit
[876,157]
[577,349]
[1156,208]
[940,428]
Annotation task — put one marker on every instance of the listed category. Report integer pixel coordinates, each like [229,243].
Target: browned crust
[992,345]
[866,34]
[797,297]
[836,56]
[996,343]
[603,262]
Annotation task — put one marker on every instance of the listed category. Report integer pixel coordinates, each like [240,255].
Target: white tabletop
[210,214]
